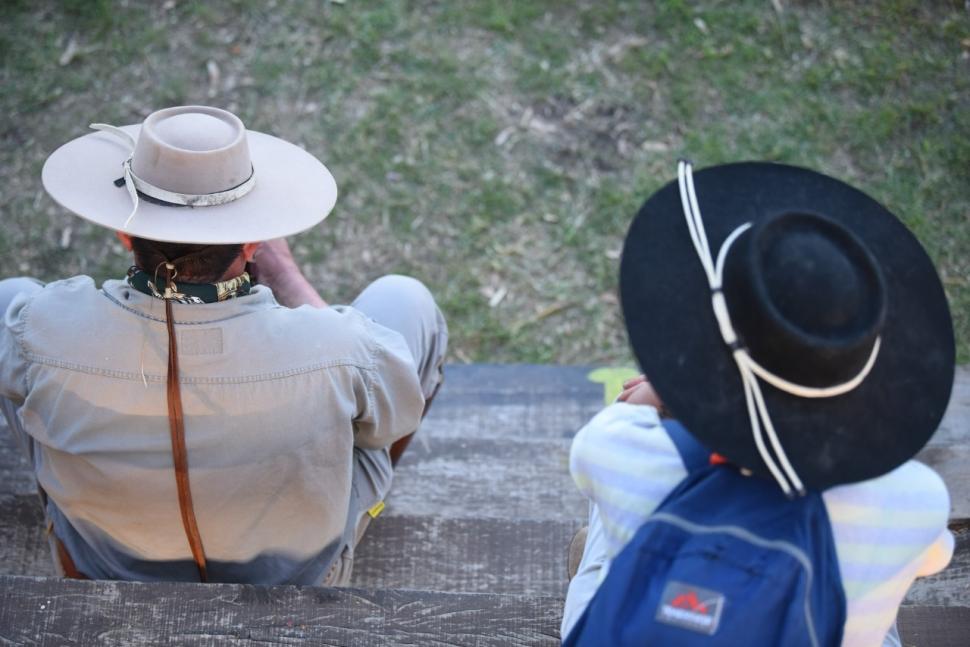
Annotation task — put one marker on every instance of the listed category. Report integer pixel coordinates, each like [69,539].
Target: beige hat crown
[193,150]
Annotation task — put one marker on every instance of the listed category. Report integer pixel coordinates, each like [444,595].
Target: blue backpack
[724,560]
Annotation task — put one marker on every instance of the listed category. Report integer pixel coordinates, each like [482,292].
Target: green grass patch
[498,150]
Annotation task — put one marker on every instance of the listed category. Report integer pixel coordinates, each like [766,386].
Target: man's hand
[639,391]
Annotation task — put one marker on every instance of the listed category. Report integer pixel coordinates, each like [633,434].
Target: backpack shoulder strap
[694,454]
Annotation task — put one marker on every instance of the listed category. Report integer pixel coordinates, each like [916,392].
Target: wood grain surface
[49,611]
[456,460]
[470,550]
[526,556]
[453,555]
[479,478]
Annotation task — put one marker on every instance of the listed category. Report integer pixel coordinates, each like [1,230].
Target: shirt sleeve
[890,525]
[625,462]
[888,531]
[13,362]
[392,401]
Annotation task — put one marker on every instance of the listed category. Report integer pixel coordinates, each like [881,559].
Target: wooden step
[23,543]
[437,554]
[53,611]
[952,586]
[483,502]
[529,402]
[506,478]
[452,477]
[455,470]
[523,556]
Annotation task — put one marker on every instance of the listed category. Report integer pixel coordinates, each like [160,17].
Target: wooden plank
[949,451]
[952,586]
[49,611]
[458,477]
[16,476]
[525,556]
[934,626]
[523,417]
[486,478]
[23,543]
[512,380]
[955,427]
[533,402]
[425,553]
[519,400]
[524,403]
[528,385]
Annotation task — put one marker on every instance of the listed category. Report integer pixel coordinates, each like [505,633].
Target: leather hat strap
[180,457]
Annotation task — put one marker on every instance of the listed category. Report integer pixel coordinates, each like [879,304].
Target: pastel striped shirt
[888,530]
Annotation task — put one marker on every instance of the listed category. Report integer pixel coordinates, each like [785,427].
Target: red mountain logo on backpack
[690,607]
[689,601]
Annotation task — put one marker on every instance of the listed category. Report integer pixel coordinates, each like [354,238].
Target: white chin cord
[782,470]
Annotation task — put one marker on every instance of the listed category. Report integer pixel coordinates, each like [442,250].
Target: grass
[500,148]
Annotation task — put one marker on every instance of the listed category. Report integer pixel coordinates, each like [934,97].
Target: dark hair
[198,263]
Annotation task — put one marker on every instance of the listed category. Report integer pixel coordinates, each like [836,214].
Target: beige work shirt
[275,399]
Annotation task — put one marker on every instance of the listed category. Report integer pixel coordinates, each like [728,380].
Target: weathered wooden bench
[470,550]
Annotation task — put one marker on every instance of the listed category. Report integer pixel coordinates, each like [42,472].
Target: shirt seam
[144,315]
[370,379]
[21,335]
[260,377]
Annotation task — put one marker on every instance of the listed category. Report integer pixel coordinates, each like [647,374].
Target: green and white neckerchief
[191,292]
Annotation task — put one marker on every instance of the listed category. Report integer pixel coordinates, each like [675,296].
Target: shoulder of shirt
[379,342]
[347,319]
[75,284]
[56,297]
[630,426]
[911,475]
[910,481]
[57,293]
[626,413]
[621,417]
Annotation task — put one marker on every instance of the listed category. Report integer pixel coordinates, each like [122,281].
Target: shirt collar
[259,298]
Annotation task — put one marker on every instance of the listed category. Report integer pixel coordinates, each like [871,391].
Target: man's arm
[279,271]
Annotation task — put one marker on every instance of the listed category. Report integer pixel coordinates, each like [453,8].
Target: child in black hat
[813,350]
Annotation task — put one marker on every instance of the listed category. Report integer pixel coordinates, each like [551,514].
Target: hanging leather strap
[67,562]
[180,457]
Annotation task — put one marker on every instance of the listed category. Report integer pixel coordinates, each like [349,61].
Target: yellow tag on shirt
[376,509]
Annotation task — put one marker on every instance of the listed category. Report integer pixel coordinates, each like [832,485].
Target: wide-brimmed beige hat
[191,174]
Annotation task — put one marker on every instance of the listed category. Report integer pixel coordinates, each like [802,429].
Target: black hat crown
[806,298]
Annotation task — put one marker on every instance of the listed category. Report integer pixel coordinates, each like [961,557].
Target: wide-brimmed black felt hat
[825,286]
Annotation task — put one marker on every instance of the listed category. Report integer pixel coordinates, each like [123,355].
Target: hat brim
[667,308]
[293,192]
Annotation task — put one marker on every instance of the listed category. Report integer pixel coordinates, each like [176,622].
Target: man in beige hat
[190,422]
